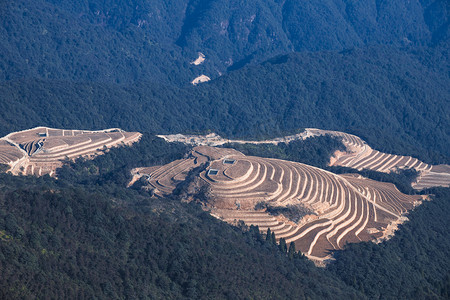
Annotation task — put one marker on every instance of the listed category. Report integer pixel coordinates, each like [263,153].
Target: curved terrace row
[345,209]
[43,149]
[360,156]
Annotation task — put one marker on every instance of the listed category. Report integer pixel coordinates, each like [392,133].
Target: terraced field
[346,209]
[360,156]
[165,178]
[41,150]
[9,153]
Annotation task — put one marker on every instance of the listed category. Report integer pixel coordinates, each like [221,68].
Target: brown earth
[347,208]
[358,155]
[42,150]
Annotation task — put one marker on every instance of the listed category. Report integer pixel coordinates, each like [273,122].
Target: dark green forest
[127,41]
[395,100]
[413,264]
[314,151]
[87,236]
[71,242]
[376,69]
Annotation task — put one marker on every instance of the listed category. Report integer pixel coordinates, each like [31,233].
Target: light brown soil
[200,79]
[358,155]
[348,208]
[43,149]
[200,59]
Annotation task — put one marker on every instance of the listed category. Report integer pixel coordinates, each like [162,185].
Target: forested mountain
[395,99]
[86,235]
[68,242]
[125,41]
[378,69]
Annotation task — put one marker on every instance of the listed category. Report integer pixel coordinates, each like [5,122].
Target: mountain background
[126,41]
[378,69]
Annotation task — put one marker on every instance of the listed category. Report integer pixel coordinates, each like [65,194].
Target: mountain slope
[393,99]
[135,40]
[88,236]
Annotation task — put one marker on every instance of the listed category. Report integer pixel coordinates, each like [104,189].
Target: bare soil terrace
[347,208]
[358,155]
[41,150]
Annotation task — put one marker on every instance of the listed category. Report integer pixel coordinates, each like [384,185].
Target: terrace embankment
[343,208]
[358,155]
[42,150]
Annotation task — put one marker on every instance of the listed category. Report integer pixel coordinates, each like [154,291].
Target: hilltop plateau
[42,150]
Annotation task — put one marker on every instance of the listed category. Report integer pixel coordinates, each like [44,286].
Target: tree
[268,235]
[282,246]
[292,251]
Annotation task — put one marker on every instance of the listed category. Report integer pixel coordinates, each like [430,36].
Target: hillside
[86,235]
[103,64]
[94,213]
[41,150]
[392,99]
[329,149]
[317,210]
[110,41]
[54,244]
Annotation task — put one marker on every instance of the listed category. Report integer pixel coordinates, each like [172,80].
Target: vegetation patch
[315,151]
[294,212]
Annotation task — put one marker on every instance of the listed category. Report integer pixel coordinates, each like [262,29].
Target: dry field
[41,150]
[163,179]
[346,208]
[200,79]
[358,155]
[200,59]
